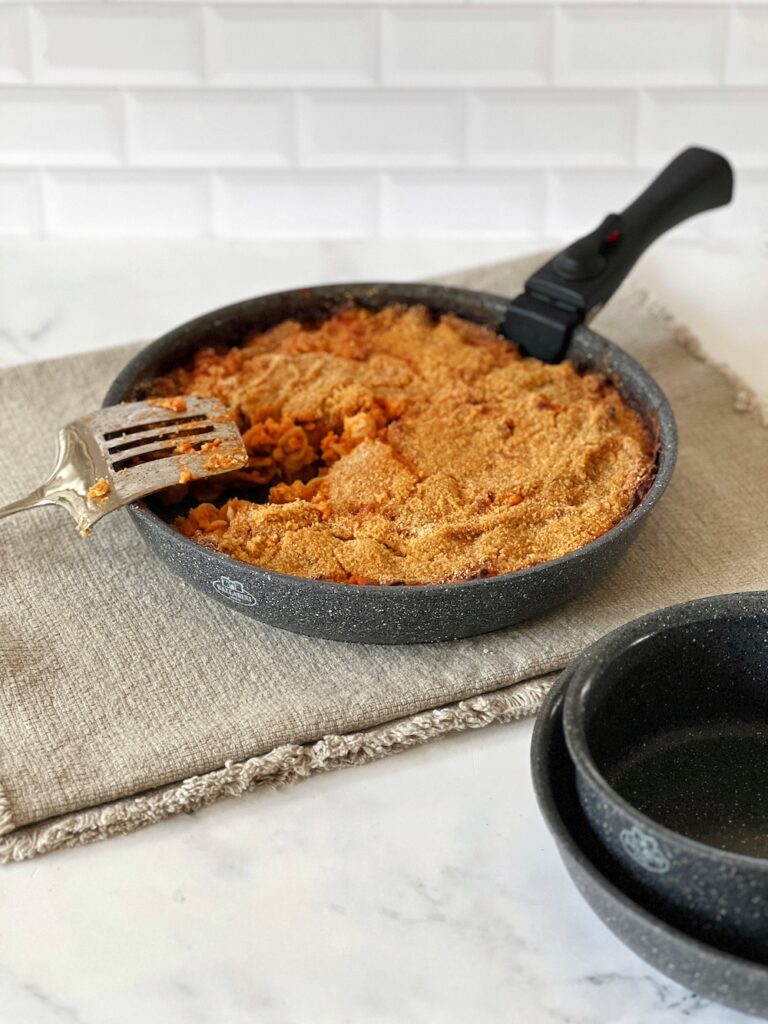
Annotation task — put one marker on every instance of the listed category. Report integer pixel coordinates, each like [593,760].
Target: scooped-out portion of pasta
[400,447]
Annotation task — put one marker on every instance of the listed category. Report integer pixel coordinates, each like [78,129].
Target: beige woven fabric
[126,696]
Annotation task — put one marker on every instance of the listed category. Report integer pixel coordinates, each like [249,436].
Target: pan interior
[311,306]
[708,782]
[679,729]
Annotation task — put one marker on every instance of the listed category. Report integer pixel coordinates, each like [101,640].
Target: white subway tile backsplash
[295,205]
[474,203]
[579,199]
[291,45]
[14,46]
[346,118]
[210,128]
[382,128]
[19,203]
[154,204]
[639,44]
[748,217]
[39,126]
[551,127]
[747,59]
[733,120]
[117,43]
[508,45]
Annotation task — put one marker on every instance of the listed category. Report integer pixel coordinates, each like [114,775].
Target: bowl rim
[551,716]
[659,405]
[592,661]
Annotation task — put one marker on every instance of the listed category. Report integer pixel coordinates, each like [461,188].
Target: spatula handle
[33,500]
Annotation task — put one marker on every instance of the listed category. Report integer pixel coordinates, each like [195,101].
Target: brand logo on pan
[644,850]
[233,590]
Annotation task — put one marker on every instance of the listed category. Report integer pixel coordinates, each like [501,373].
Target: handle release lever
[587,257]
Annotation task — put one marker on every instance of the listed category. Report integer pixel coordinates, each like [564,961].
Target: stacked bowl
[650,763]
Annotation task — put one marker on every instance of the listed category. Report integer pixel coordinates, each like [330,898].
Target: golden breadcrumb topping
[397,447]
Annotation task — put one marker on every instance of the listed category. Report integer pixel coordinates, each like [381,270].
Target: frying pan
[549,321]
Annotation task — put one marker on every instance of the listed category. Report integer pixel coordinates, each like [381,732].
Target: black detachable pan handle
[579,280]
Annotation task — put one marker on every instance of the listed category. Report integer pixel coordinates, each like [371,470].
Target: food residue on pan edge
[396,447]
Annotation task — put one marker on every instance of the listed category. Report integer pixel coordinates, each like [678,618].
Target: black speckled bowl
[619,901]
[391,615]
[666,720]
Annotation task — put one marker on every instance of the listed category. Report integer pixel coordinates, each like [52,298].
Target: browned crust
[399,448]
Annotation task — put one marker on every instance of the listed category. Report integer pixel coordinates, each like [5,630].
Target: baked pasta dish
[400,447]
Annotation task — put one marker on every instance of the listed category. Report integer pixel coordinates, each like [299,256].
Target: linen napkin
[126,696]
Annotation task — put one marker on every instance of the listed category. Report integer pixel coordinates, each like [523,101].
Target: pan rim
[548,723]
[414,291]
[728,607]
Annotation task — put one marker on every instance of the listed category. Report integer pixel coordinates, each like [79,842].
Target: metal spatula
[113,456]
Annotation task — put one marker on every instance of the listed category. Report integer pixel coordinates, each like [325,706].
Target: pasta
[397,447]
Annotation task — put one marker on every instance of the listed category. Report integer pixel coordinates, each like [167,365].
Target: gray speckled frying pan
[548,322]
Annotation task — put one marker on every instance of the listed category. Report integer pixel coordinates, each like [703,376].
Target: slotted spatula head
[115,455]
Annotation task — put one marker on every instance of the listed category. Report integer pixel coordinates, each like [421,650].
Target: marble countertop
[418,889]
